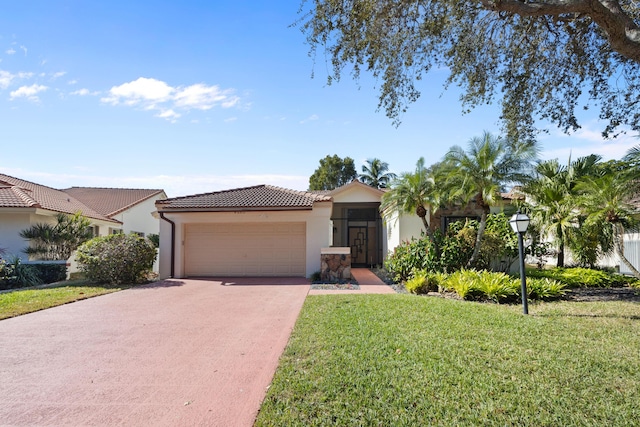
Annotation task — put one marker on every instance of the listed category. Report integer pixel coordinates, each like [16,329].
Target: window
[115,230]
[138,233]
[94,230]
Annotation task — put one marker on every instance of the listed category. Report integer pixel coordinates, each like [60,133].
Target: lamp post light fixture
[519,223]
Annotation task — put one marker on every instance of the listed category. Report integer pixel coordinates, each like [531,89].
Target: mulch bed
[625,293]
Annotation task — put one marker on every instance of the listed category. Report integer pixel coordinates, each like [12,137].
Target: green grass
[15,303]
[400,360]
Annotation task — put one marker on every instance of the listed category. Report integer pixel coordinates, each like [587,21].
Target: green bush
[14,274]
[578,277]
[50,273]
[465,283]
[409,256]
[423,282]
[116,259]
[544,288]
[498,287]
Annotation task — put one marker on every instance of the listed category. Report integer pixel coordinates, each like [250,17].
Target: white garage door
[271,249]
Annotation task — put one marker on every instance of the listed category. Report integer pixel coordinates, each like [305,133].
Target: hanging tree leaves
[537,59]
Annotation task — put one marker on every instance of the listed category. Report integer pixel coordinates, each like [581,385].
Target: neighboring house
[271,231]
[110,210]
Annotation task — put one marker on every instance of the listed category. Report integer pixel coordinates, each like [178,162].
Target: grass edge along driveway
[404,361]
[22,301]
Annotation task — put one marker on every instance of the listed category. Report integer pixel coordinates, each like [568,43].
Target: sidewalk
[369,284]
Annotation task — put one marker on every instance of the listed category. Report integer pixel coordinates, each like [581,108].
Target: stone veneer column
[335,264]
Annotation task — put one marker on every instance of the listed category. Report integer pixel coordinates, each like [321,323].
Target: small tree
[57,242]
[116,259]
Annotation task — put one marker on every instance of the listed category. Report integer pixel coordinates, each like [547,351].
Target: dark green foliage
[154,239]
[15,274]
[376,173]
[332,173]
[578,277]
[116,259]
[50,273]
[537,60]
[455,249]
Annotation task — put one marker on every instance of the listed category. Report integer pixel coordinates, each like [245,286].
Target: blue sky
[198,96]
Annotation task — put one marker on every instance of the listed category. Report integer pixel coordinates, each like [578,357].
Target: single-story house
[272,231]
[110,210]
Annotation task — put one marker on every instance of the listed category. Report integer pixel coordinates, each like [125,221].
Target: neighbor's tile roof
[111,201]
[18,193]
[260,196]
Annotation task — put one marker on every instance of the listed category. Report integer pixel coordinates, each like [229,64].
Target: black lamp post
[519,223]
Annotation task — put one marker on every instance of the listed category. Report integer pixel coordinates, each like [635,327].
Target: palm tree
[376,173]
[411,192]
[605,202]
[58,241]
[483,170]
[552,193]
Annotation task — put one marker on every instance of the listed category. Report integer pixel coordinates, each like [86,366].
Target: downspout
[173,242]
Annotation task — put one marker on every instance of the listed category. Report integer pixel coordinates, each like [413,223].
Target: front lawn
[399,360]
[15,303]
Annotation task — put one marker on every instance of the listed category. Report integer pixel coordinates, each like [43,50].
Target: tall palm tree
[605,202]
[482,171]
[412,192]
[553,194]
[376,173]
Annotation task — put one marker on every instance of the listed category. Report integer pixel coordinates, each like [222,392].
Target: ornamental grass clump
[116,259]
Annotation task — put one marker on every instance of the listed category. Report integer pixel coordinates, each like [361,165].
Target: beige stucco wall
[317,225]
[139,218]
[401,229]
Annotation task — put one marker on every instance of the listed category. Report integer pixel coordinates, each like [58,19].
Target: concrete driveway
[178,352]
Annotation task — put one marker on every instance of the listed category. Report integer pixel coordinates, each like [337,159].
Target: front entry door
[359,243]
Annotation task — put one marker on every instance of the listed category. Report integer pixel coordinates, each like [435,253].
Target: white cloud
[72,82]
[230,119]
[203,97]
[84,92]
[6,78]
[28,92]
[311,118]
[585,141]
[169,115]
[58,75]
[10,51]
[156,95]
[141,91]
[24,49]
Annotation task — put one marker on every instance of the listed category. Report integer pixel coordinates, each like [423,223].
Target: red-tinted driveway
[181,352]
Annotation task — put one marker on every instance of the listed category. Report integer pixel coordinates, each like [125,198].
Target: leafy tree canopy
[538,59]
[332,173]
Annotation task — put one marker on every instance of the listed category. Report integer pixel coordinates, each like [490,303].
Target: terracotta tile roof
[111,201]
[18,193]
[251,198]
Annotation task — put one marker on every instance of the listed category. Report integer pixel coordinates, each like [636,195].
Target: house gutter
[173,242]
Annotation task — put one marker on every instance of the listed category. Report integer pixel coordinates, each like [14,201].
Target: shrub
[577,277]
[464,283]
[409,256]
[14,274]
[424,282]
[544,288]
[116,259]
[50,273]
[497,286]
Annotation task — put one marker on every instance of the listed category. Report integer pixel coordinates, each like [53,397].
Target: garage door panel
[273,249]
